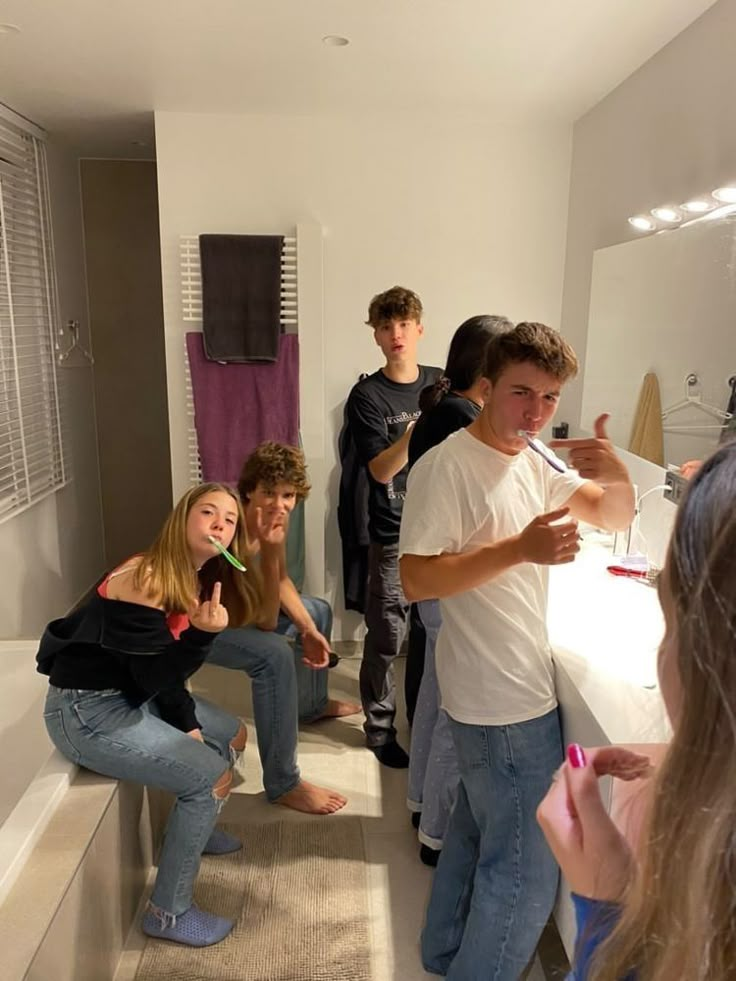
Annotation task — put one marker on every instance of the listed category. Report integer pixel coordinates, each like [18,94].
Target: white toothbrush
[531,443]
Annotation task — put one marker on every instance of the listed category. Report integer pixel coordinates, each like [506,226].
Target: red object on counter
[620,570]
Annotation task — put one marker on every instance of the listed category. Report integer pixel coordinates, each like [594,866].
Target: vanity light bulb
[642,224]
[725,194]
[696,207]
[670,215]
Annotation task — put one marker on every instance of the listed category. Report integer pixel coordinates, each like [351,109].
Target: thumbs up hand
[594,458]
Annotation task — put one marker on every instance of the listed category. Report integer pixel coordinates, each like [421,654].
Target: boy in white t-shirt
[483,518]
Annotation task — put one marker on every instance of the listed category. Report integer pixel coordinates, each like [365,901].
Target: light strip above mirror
[717,204]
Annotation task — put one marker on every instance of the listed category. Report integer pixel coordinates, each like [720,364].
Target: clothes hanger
[66,358]
[695,399]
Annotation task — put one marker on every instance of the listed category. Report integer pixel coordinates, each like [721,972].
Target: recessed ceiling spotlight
[335,41]
[671,215]
[9,29]
[725,194]
[696,206]
[642,224]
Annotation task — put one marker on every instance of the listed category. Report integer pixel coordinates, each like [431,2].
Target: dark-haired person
[455,399]
[484,517]
[452,403]
[287,662]
[381,410]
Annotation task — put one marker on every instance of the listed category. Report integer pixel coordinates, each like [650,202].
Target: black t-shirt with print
[379,411]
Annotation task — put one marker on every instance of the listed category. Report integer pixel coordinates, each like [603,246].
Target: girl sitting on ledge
[118,702]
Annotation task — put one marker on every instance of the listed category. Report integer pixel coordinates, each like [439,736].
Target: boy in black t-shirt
[382,409]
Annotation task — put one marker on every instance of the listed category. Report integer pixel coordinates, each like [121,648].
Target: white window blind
[31,457]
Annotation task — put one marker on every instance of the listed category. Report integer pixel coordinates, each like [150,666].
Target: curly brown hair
[397,303]
[271,464]
[543,346]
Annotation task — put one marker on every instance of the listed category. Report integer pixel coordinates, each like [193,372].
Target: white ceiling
[94,70]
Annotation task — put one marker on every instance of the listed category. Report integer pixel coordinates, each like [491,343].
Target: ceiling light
[671,215]
[335,41]
[642,224]
[725,194]
[9,29]
[696,207]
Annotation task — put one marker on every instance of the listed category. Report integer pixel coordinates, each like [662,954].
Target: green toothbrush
[223,551]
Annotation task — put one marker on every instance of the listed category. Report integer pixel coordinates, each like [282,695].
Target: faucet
[634,526]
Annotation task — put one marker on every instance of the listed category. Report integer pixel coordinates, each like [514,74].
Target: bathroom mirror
[665,304]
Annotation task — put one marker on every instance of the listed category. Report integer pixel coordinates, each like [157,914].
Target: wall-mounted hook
[72,328]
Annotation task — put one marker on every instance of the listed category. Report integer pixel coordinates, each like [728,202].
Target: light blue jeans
[104,732]
[433,769]
[496,880]
[285,691]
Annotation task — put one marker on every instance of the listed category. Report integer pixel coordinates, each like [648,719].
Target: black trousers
[386,617]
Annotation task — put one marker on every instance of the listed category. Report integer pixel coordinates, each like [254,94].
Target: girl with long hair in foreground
[665,910]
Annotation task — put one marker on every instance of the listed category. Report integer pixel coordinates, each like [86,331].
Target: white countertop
[605,631]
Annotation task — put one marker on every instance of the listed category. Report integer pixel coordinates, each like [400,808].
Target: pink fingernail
[575,756]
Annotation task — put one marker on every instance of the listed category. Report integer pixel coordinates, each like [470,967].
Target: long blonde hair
[679,915]
[167,572]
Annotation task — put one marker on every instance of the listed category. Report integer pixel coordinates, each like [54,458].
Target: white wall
[664,135]
[52,553]
[468,212]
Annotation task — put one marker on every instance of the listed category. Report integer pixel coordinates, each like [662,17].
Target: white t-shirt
[494,663]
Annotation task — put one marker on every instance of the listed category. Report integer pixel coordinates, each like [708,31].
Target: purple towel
[237,406]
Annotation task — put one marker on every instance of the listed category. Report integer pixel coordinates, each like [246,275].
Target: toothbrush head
[227,555]
[541,451]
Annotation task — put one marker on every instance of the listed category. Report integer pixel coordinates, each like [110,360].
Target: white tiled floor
[333,753]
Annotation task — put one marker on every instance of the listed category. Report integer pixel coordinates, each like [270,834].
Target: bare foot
[312,799]
[335,709]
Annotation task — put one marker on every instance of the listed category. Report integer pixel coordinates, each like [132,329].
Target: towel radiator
[191,298]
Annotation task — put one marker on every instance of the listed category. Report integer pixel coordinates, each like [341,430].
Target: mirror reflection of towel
[647,440]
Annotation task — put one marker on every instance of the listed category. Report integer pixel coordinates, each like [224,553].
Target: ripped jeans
[104,732]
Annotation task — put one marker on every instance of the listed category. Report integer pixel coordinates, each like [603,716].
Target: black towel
[241,296]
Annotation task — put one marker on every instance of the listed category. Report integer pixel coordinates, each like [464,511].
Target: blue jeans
[285,691]
[104,732]
[433,770]
[496,879]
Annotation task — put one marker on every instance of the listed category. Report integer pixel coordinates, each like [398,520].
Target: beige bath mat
[299,896]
